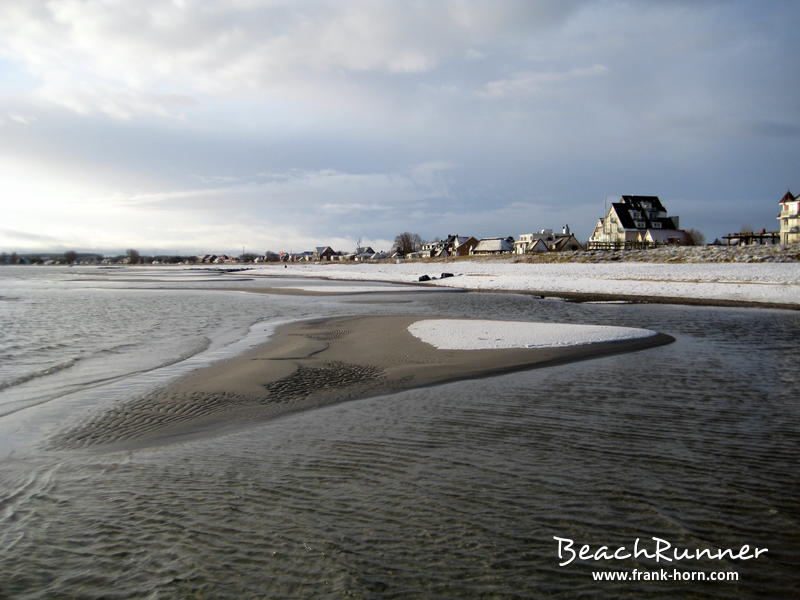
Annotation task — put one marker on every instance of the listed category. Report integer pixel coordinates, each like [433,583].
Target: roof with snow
[493,245]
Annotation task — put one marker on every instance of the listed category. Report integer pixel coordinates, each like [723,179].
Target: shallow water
[449,491]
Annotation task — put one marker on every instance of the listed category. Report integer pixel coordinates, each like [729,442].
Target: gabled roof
[538,246]
[635,202]
[628,222]
[564,239]
[466,240]
[787,197]
[493,245]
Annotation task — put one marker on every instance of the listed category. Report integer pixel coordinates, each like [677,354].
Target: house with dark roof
[789,218]
[463,246]
[637,222]
[323,253]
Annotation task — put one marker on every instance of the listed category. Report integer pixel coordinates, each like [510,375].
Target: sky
[198,126]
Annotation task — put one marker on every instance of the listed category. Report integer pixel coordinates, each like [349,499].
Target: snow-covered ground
[352,289]
[464,334]
[747,282]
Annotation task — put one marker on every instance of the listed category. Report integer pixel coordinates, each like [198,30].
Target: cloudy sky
[200,125]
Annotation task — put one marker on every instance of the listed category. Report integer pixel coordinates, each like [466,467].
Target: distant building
[454,245]
[637,222]
[547,241]
[323,253]
[789,218]
[464,246]
[493,246]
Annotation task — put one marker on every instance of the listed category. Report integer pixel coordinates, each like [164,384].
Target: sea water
[455,490]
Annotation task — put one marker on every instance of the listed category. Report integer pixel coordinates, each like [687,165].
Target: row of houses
[631,222]
[326,253]
[543,241]
[454,245]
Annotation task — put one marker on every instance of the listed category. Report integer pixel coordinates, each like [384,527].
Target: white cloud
[289,210]
[125,58]
[23,119]
[528,83]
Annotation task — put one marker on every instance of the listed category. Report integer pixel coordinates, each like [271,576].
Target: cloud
[12,237]
[528,83]
[200,122]
[290,210]
[22,119]
[152,57]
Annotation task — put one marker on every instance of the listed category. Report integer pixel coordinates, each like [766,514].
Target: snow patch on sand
[354,289]
[468,334]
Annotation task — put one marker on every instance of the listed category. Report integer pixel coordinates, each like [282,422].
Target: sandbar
[308,364]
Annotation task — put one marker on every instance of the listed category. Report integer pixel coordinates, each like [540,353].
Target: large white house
[789,218]
[637,222]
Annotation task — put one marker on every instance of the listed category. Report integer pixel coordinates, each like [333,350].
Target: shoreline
[577,297]
[600,289]
[306,365]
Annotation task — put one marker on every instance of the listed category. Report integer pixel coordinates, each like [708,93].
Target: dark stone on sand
[424,278]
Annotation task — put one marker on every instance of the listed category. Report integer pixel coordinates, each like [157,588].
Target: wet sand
[305,365]
[299,291]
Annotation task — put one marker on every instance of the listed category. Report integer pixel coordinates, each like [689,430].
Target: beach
[174,433]
[743,284]
[310,364]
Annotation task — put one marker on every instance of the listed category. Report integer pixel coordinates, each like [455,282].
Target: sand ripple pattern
[306,380]
[328,336]
[159,411]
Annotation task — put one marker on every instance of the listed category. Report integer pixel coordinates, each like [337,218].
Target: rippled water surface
[452,491]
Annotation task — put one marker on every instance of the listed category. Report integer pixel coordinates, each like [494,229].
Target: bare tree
[697,237]
[406,242]
[70,256]
[133,257]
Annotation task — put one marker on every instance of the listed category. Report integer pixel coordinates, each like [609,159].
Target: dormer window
[656,225]
[640,224]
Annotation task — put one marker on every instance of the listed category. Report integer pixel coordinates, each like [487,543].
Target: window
[656,225]
[635,214]
[640,224]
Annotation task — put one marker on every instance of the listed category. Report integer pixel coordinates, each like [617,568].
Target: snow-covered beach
[773,283]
